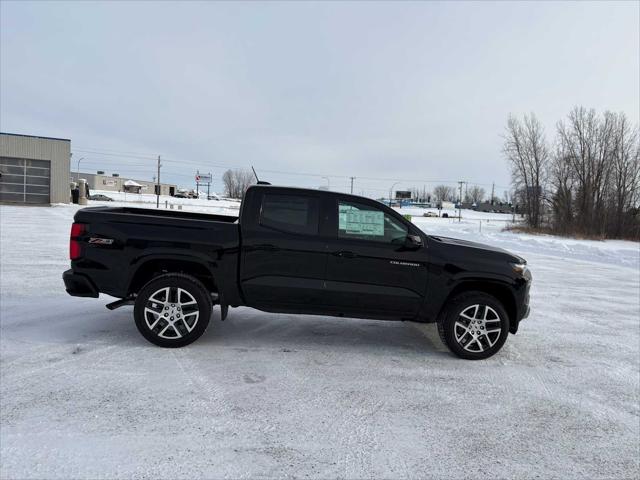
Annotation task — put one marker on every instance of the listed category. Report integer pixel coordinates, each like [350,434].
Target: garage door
[24,181]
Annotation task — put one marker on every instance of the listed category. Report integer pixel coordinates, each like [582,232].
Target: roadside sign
[203,177]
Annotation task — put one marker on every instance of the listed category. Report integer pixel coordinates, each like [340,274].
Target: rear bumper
[77,285]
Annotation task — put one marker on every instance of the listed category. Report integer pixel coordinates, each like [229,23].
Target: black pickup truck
[296,251]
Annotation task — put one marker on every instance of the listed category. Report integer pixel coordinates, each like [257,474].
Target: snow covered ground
[264,395]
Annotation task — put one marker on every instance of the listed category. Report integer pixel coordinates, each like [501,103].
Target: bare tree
[587,143]
[526,149]
[475,194]
[563,186]
[443,193]
[625,174]
[419,194]
[229,183]
[594,173]
[236,182]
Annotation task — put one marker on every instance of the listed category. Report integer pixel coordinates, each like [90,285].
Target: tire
[484,314]
[176,320]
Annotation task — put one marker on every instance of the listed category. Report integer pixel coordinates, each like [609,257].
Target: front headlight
[519,268]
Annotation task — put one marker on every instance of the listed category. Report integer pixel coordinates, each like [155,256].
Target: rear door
[370,268]
[283,253]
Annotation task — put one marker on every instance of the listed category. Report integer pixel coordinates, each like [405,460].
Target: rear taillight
[75,251]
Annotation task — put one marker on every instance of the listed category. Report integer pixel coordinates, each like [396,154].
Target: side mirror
[413,242]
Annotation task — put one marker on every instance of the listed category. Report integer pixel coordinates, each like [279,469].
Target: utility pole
[460,200]
[352,185]
[208,186]
[158,186]
[493,187]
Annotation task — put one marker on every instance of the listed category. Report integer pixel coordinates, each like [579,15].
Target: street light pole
[328,182]
[78,169]
[391,191]
[460,201]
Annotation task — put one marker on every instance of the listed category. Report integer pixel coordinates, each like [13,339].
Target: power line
[170,161]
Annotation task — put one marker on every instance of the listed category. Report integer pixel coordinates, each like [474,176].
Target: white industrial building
[116,183]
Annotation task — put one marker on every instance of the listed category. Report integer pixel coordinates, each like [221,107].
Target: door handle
[344,254]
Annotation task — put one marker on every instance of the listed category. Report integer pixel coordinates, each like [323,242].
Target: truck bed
[158,213]
[120,242]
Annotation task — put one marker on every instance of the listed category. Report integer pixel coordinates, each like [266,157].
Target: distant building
[131,186]
[116,183]
[496,207]
[34,170]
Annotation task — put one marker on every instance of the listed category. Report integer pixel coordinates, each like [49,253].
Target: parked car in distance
[101,198]
[430,214]
[181,194]
[213,197]
[301,252]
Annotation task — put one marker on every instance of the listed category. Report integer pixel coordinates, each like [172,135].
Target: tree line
[448,193]
[586,181]
[236,182]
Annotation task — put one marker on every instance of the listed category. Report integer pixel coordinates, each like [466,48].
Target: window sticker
[361,222]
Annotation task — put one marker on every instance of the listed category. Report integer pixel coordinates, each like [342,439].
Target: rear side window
[290,213]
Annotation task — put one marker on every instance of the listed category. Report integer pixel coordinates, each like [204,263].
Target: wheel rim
[171,313]
[477,328]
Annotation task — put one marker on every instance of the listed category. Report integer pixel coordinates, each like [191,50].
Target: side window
[290,213]
[364,222]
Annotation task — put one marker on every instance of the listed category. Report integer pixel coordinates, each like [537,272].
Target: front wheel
[173,310]
[474,325]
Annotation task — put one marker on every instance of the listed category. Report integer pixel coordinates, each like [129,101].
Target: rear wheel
[474,325]
[173,310]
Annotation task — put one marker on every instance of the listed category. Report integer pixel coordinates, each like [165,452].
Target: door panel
[369,268]
[283,255]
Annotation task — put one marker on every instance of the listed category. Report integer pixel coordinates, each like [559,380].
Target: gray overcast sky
[418,91]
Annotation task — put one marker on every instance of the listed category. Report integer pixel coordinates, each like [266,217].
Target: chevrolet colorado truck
[296,251]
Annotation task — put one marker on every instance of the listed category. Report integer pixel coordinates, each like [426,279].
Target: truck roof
[312,190]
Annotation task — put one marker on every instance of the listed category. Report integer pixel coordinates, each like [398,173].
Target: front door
[283,253]
[370,267]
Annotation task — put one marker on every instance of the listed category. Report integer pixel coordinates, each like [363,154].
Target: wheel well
[500,292]
[153,268]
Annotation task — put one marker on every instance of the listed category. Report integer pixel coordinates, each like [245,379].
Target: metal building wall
[57,151]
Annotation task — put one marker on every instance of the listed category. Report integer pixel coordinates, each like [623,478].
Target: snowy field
[83,395]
